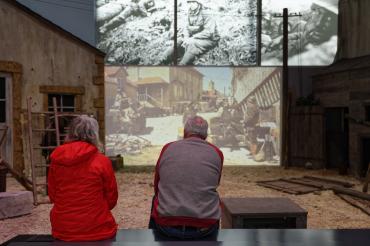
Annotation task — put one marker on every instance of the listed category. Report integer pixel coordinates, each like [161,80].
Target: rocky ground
[325,210]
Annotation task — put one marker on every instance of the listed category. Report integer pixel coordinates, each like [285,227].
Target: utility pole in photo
[286,104]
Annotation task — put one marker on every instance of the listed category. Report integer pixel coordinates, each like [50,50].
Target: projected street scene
[147,108]
[134,31]
[141,32]
[312,32]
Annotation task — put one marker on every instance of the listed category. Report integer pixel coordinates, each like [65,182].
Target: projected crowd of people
[140,120]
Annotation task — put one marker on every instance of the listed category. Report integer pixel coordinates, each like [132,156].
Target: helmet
[193,1]
[330,5]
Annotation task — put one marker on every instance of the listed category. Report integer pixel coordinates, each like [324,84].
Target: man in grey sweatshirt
[186,204]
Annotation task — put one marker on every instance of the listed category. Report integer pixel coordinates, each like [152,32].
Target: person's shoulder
[213,146]
[100,159]
[169,144]
[217,149]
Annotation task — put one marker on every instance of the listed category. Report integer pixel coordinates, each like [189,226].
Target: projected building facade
[148,106]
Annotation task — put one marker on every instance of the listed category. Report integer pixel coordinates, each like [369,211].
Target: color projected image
[146,107]
[217,32]
[312,36]
[134,31]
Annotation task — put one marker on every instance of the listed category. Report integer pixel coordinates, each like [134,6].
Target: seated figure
[82,186]
[186,204]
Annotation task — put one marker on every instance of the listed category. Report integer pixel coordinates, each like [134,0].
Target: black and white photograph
[217,32]
[134,31]
[141,32]
[148,106]
[312,32]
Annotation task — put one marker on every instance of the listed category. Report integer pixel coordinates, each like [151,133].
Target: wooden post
[367,180]
[285,116]
[175,35]
[30,142]
[162,97]
[56,120]
[259,32]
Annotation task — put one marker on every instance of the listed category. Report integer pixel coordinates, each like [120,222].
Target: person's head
[194,6]
[84,128]
[323,22]
[196,126]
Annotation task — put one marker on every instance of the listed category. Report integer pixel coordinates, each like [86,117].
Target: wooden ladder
[32,147]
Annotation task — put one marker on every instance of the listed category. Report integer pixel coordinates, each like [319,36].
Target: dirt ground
[325,210]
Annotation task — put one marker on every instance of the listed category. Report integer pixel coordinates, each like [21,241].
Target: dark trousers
[183,232]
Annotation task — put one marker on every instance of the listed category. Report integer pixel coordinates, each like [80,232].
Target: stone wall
[49,59]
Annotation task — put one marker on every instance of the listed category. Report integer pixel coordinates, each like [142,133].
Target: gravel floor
[325,210]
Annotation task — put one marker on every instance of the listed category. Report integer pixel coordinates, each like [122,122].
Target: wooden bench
[262,213]
[225,237]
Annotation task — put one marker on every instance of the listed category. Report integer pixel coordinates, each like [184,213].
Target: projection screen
[146,107]
[142,32]
[312,34]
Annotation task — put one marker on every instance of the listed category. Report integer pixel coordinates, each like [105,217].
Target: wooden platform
[262,213]
[303,185]
[241,237]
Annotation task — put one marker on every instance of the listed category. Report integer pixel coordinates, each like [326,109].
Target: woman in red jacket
[82,186]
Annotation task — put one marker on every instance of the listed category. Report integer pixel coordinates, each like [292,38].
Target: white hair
[196,125]
[84,128]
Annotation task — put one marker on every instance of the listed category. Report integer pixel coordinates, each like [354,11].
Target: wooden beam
[53,89]
[337,182]
[356,203]
[354,193]
[367,180]
[20,178]
[284,120]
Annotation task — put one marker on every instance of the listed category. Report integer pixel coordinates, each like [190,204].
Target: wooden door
[6,119]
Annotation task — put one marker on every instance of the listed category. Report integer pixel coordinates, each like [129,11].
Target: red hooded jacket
[83,188]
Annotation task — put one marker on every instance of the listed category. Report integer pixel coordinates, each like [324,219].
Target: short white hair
[196,125]
[84,128]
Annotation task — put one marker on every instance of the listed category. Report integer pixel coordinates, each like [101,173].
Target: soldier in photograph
[318,27]
[251,119]
[114,16]
[198,37]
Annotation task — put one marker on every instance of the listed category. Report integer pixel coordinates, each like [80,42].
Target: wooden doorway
[337,139]
[365,156]
[6,117]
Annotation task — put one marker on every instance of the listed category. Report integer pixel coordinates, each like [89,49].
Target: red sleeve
[221,155]
[51,184]
[156,175]
[109,184]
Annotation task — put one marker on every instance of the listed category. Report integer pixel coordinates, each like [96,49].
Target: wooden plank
[3,137]
[358,203]
[288,187]
[20,178]
[278,188]
[300,182]
[355,193]
[367,180]
[337,182]
[324,185]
